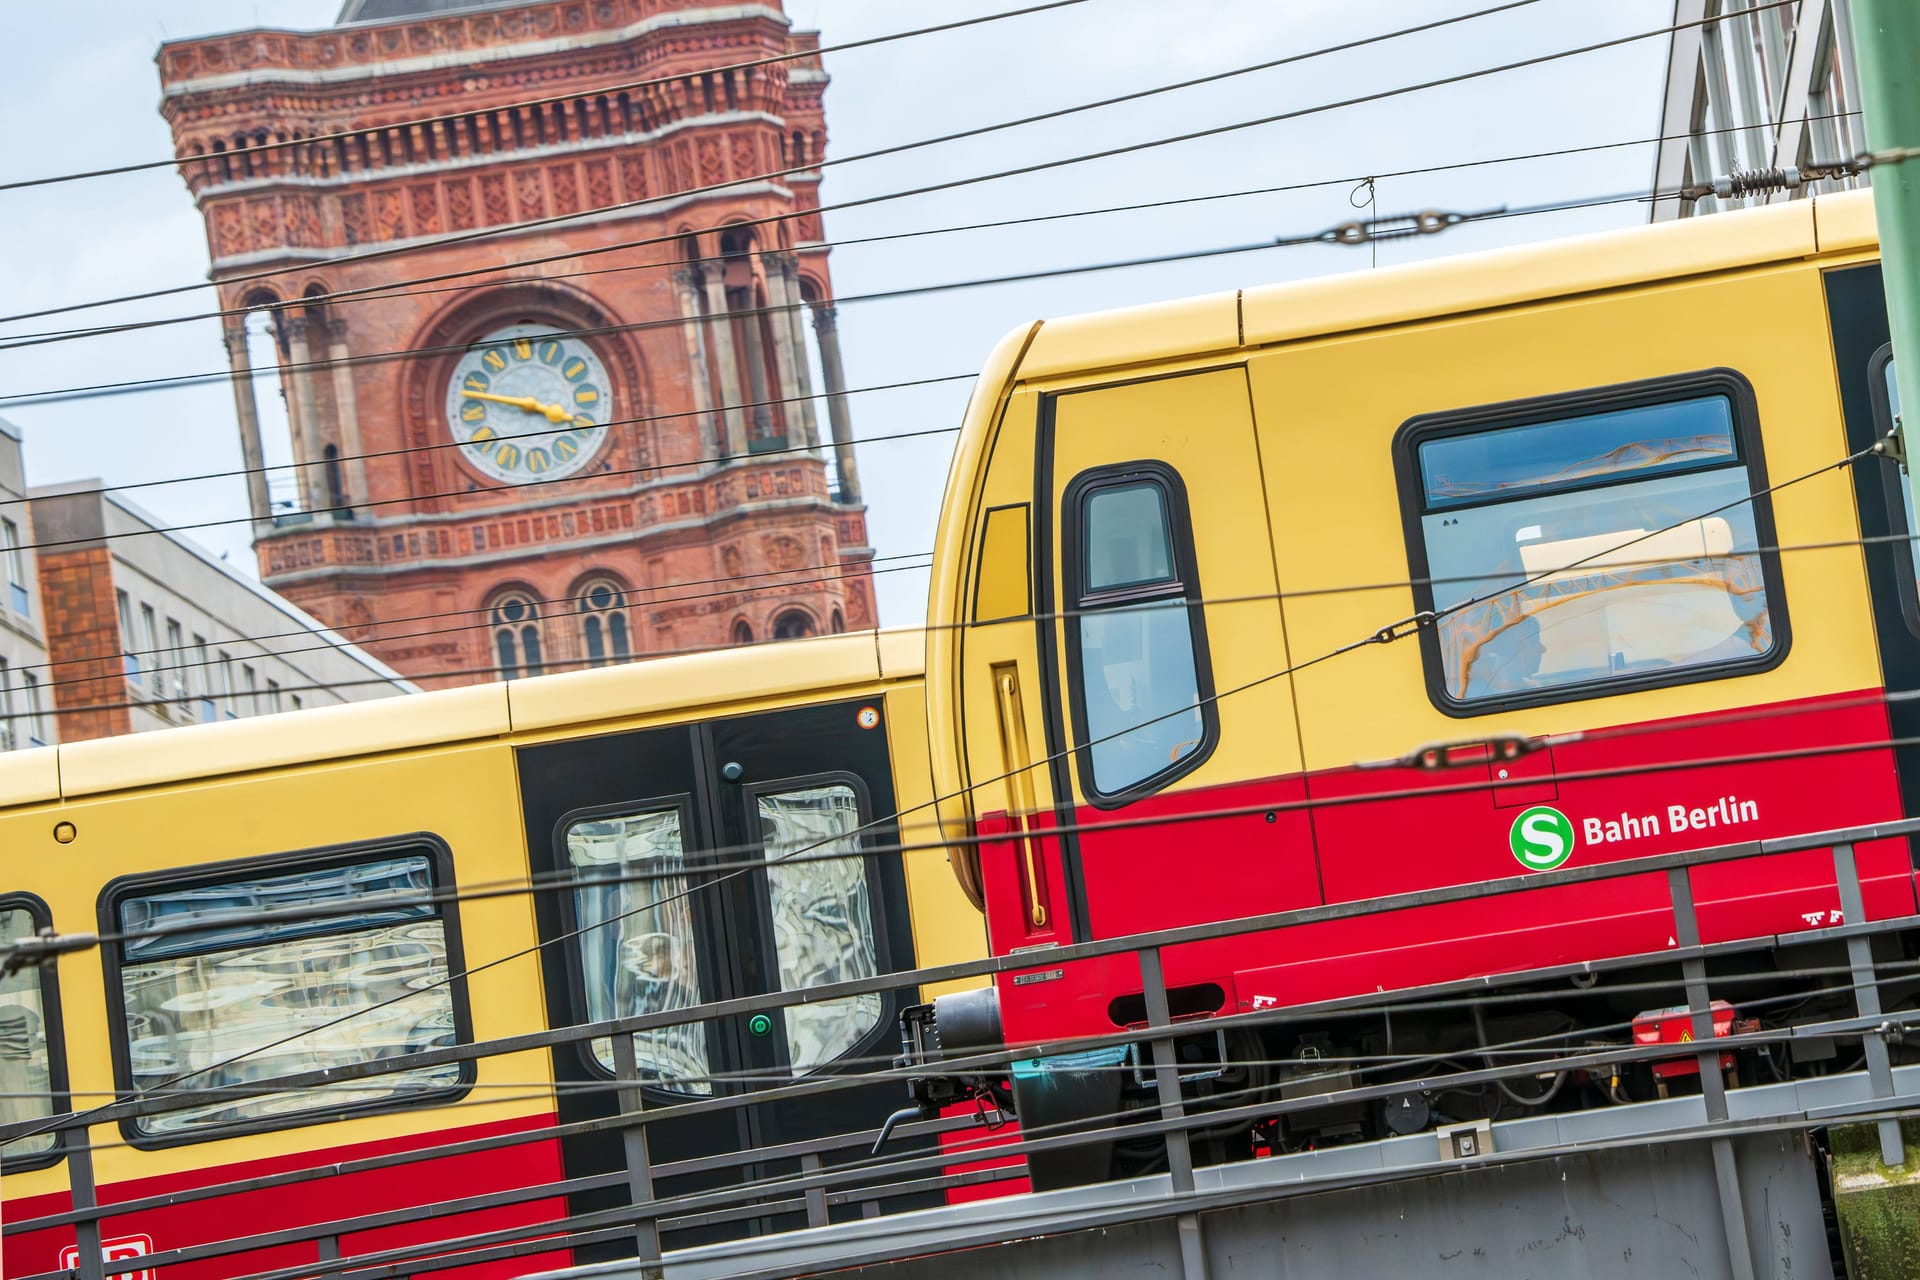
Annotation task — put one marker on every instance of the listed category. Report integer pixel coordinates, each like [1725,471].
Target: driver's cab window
[1135,635]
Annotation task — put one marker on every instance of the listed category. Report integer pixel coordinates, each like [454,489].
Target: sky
[82,92]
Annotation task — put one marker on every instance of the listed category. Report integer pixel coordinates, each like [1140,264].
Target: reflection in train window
[1592,548]
[822,916]
[1135,643]
[26,1080]
[636,943]
[231,981]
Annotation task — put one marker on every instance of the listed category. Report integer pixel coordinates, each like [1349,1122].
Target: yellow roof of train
[704,682]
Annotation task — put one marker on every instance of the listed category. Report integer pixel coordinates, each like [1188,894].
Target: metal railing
[820,1186]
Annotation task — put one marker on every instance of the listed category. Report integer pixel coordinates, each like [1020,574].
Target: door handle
[1019,762]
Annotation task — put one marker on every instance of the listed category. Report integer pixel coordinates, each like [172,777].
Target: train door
[1166,666]
[1863,356]
[708,862]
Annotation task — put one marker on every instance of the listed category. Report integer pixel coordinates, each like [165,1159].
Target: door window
[28,1041]
[1593,549]
[213,987]
[1143,700]
[822,908]
[636,940]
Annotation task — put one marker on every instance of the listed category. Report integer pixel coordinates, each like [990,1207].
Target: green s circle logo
[1541,838]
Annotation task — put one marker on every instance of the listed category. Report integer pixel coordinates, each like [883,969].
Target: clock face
[528,405]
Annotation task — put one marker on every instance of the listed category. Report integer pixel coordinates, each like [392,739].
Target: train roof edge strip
[29,777]
[1561,268]
[694,680]
[246,746]
[1844,221]
[1135,335]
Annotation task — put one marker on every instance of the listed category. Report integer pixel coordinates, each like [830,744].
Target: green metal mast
[1886,46]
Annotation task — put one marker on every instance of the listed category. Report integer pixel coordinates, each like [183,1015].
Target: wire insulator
[1757,182]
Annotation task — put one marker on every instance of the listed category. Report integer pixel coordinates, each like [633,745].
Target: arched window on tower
[742,632]
[793,625]
[515,620]
[336,487]
[837,624]
[603,624]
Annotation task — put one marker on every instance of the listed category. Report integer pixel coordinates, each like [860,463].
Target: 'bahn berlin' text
[1727,811]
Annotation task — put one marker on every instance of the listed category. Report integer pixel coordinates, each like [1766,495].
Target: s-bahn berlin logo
[1541,838]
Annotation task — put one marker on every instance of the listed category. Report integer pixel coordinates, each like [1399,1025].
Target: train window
[822,910]
[1592,543]
[226,977]
[1136,645]
[636,941]
[30,1071]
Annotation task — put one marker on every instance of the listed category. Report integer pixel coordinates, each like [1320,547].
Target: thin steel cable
[724,69]
[948,184]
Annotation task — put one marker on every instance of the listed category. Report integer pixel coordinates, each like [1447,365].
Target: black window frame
[885,1027]
[55,1030]
[1537,410]
[1184,585]
[446,907]
[1893,484]
[696,875]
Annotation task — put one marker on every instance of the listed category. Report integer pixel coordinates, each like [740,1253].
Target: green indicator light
[760,1024]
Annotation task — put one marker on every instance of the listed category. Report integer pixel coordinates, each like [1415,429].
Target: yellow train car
[306,891]
[1588,512]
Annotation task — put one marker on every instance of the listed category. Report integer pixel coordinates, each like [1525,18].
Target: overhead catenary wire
[61,395]
[924,189]
[266,147]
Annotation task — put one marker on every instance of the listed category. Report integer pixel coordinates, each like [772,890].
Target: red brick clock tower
[548,465]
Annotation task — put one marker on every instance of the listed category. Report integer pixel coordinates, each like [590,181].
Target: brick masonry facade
[709,506]
[76,592]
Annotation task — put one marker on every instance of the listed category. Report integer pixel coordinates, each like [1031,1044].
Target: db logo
[112,1251]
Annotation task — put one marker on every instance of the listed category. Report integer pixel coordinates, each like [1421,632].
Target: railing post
[1713,1086]
[1166,1075]
[86,1233]
[816,1196]
[633,1138]
[1866,995]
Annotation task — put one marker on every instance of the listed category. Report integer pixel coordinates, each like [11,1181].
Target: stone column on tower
[720,326]
[783,289]
[753,329]
[826,330]
[686,282]
[304,416]
[248,412]
[356,464]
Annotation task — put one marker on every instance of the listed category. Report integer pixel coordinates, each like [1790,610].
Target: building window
[742,632]
[224,691]
[200,681]
[36,722]
[129,659]
[376,964]
[1137,650]
[1584,543]
[10,732]
[603,624]
[250,685]
[150,642]
[794,624]
[177,659]
[836,623]
[516,635]
[273,696]
[18,596]
[30,1072]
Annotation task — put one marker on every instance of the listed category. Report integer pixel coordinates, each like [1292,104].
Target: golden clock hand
[528,403]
